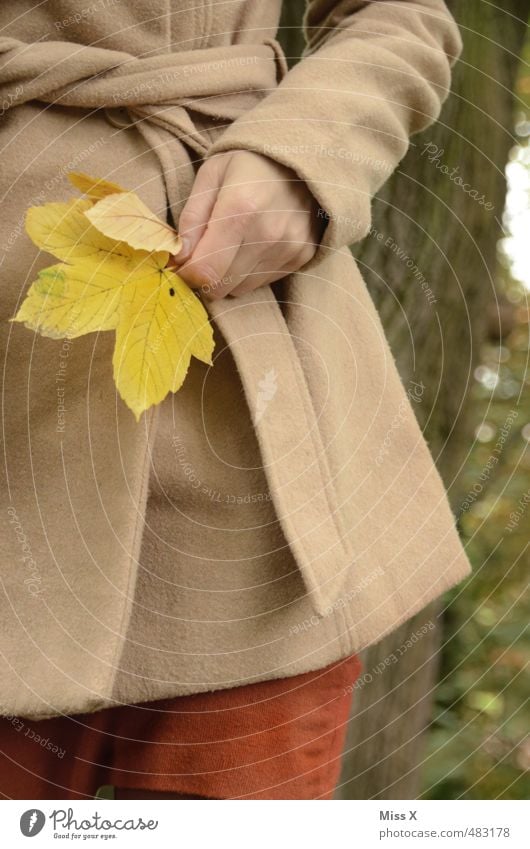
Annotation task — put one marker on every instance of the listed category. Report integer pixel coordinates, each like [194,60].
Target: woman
[184,598]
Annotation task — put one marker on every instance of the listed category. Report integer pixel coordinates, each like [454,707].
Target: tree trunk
[431,275]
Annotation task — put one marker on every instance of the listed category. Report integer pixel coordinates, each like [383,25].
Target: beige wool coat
[282,510]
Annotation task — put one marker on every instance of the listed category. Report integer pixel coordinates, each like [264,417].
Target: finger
[269,269]
[264,246]
[198,208]
[216,251]
[247,260]
[250,270]
[253,281]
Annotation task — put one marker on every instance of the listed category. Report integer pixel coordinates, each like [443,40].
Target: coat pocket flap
[294,455]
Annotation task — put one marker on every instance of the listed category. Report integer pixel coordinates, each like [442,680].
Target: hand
[248,222]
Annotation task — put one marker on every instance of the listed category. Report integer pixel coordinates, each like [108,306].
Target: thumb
[198,208]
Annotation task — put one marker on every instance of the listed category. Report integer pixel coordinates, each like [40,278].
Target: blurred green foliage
[479,744]
[479,747]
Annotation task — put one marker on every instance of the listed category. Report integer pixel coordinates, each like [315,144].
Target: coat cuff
[341,119]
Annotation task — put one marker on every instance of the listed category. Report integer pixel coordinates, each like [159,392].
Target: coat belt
[219,83]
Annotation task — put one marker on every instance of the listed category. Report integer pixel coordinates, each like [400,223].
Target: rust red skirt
[280,739]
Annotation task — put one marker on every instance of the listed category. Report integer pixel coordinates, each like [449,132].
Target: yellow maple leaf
[62,229]
[69,300]
[105,284]
[125,217]
[94,187]
[121,215]
[149,355]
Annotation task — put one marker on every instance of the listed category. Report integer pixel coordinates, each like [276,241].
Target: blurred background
[442,708]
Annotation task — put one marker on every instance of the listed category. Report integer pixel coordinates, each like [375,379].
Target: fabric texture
[268,519]
[280,739]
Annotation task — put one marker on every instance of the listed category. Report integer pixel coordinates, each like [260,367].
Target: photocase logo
[31,822]
[267,388]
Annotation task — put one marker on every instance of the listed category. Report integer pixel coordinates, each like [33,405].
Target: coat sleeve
[373,73]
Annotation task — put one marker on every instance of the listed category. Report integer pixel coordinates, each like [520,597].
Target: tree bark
[431,275]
